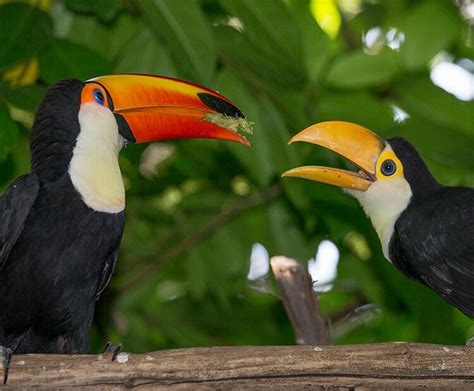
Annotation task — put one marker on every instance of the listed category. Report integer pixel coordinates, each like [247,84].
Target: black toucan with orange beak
[426,229]
[61,224]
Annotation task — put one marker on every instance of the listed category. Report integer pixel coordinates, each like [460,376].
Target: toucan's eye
[388,167]
[99,96]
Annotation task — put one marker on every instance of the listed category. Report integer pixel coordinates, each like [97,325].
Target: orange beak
[150,108]
[352,141]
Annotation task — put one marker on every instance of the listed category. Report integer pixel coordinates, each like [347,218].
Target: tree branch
[301,304]
[378,366]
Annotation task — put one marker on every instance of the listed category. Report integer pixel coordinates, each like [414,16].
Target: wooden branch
[402,365]
[301,304]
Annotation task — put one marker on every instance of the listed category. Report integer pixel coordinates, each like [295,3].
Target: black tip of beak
[221,106]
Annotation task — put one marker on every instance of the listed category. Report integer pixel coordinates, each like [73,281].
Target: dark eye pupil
[99,96]
[388,167]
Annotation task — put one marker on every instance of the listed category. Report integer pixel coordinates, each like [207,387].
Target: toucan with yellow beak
[426,229]
[61,224]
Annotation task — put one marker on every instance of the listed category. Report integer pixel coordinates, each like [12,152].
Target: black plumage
[56,253]
[433,239]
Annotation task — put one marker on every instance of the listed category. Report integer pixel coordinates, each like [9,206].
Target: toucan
[61,224]
[426,229]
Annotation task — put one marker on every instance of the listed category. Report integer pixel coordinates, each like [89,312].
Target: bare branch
[301,304]
[377,366]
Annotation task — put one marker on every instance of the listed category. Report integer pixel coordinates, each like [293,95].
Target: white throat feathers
[383,202]
[94,167]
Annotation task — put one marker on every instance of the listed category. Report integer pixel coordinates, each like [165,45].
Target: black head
[415,170]
[55,129]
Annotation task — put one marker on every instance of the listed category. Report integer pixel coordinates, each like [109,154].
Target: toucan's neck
[55,130]
[94,167]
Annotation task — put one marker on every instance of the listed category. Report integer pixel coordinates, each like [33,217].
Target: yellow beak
[354,142]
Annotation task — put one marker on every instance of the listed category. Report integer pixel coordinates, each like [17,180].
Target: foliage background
[194,208]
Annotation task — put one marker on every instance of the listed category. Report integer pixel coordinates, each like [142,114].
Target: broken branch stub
[301,303]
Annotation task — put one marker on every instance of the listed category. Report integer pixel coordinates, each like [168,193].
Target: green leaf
[359,70]
[315,41]
[287,237]
[259,19]
[429,28]
[24,31]
[273,54]
[26,98]
[145,54]
[186,34]
[64,59]
[105,9]
[447,151]
[109,40]
[359,107]
[424,98]
[8,132]
[238,55]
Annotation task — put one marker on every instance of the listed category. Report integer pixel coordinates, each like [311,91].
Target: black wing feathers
[107,272]
[434,243]
[15,205]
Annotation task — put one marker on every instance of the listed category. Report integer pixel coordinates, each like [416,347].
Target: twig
[301,304]
[218,221]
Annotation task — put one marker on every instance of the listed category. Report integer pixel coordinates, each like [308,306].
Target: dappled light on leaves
[323,269]
[327,15]
[259,262]
[376,38]
[454,79]
[399,115]
[358,245]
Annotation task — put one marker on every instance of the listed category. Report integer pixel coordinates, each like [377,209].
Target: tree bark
[399,365]
[300,301]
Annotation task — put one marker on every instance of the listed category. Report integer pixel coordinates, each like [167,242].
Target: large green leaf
[105,9]
[109,40]
[429,28]
[424,98]
[27,98]
[448,152]
[24,31]
[64,59]
[274,54]
[316,43]
[145,54]
[359,107]
[186,34]
[259,20]
[8,132]
[359,70]
[249,62]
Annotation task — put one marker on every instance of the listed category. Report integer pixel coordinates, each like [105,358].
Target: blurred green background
[195,207]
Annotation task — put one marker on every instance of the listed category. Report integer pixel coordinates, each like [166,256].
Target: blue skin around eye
[99,96]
